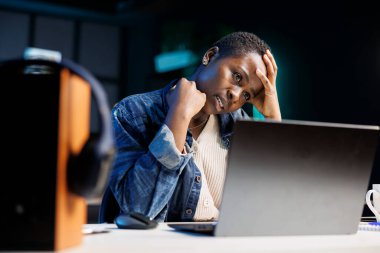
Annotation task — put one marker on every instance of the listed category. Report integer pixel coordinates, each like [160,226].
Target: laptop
[293,178]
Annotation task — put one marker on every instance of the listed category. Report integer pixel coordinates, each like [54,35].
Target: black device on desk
[134,221]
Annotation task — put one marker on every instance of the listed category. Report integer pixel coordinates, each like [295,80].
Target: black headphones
[87,172]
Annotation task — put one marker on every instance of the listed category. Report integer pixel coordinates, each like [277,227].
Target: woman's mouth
[219,100]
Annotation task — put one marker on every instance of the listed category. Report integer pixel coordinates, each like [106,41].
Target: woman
[172,143]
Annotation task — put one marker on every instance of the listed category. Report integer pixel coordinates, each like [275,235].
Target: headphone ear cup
[88,172]
[82,169]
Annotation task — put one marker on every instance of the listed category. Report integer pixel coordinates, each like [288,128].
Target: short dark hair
[240,43]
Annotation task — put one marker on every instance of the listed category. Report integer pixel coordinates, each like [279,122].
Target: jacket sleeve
[144,177]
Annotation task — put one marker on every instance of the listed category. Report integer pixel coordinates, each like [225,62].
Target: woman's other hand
[267,101]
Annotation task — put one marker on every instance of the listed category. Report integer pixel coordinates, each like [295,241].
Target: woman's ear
[209,55]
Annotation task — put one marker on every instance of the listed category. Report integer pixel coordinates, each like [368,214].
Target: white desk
[165,239]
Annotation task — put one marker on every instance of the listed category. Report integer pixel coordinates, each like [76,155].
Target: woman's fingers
[271,58]
[264,79]
[271,66]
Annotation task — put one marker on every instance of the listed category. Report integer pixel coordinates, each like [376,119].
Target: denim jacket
[150,175]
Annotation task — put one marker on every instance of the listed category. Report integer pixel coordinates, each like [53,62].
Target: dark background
[328,52]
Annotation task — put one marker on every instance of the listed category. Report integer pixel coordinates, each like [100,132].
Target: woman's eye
[237,77]
[246,96]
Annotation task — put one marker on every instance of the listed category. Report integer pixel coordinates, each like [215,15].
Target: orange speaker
[54,162]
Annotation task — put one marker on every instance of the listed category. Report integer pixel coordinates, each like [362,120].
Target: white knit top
[211,158]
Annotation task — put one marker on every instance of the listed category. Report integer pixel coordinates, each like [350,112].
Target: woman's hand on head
[187,98]
[267,100]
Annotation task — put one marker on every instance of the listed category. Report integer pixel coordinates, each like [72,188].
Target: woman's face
[230,82]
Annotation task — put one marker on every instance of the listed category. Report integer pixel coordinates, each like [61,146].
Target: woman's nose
[234,94]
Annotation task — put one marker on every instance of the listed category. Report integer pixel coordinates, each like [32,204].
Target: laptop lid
[296,178]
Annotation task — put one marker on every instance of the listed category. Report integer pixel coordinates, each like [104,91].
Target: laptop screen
[296,178]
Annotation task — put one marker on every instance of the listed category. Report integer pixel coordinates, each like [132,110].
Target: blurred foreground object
[55,163]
